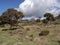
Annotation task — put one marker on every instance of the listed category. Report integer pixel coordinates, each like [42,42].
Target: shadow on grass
[9,29]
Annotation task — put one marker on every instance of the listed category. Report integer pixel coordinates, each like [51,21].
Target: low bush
[28,29]
[43,33]
[12,28]
[4,29]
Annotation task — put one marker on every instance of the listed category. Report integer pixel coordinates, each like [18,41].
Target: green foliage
[14,13]
[49,17]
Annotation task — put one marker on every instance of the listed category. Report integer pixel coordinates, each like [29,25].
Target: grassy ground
[30,35]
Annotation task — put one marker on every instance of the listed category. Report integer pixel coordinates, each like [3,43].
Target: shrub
[4,29]
[12,28]
[45,21]
[38,20]
[44,33]
[28,29]
[58,42]
[31,37]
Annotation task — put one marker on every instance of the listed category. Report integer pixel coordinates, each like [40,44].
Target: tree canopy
[11,16]
[49,17]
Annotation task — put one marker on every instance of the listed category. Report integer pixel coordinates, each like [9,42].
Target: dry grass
[30,35]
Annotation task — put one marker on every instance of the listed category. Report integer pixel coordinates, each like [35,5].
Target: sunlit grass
[10,39]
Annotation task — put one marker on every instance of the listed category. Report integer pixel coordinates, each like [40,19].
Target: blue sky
[5,4]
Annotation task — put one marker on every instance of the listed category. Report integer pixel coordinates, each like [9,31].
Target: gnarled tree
[49,17]
[11,16]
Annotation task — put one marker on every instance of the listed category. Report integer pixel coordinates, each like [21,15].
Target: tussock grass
[23,36]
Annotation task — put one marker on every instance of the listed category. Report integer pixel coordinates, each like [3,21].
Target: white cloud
[54,11]
[39,7]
